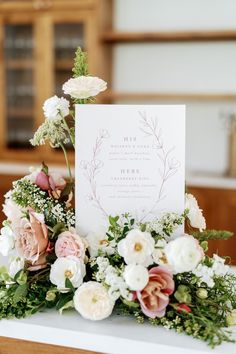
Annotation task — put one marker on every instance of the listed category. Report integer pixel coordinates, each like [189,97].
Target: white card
[129,159]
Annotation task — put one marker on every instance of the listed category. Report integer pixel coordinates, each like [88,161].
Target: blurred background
[149,51]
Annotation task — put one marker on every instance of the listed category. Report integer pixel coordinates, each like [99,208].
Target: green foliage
[212,235]
[80,63]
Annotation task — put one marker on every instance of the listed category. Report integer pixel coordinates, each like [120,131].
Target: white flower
[13,212]
[136,277]
[137,248]
[15,266]
[93,302]
[195,216]
[56,108]
[84,87]
[7,241]
[69,267]
[183,254]
[99,242]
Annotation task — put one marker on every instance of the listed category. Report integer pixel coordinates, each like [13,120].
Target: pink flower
[183,308]
[70,244]
[51,182]
[154,298]
[32,241]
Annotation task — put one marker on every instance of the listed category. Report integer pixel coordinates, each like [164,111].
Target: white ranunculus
[15,266]
[137,248]
[195,216]
[56,107]
[136,276]
[84,87]
[98,241]
[7,241]
[69,267]
[93,302]
[183,254]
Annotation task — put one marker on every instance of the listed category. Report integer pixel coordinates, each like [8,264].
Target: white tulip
[56,108]
[83,87]
[137,248]
[183,254]
[136,277]
[195,216]
[69,267]
[7,241]
[93,302]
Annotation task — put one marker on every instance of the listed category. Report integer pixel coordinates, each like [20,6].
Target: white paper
[129,159]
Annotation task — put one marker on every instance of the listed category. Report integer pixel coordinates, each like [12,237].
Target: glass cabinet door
[67,37]
[19,77]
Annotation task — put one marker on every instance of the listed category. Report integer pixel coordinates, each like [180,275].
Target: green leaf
[68,305]
[212,235]
[58,228]
[20,293]
[44,168]
[131,303]
[69,285]
[64,298]
[68,188]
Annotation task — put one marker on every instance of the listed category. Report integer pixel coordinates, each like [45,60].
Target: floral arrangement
[136,269]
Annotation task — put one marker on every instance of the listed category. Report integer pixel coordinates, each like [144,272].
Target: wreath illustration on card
[168,164]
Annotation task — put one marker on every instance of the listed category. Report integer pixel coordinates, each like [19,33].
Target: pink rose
[154,298]
[32,241]
[70,244]
[52,182]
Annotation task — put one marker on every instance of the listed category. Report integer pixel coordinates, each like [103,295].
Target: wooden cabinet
[38,40]
[219,209]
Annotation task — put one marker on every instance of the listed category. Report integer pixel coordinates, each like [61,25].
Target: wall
[183,67]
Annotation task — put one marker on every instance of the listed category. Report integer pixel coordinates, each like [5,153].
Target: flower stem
[69,132]
[67,162]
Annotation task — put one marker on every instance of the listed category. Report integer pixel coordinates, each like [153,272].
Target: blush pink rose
[154,298]
[70,244]
[53,182]
[32,241]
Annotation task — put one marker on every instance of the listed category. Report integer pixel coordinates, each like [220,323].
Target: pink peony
[154,298]
[32,241]
[70,244]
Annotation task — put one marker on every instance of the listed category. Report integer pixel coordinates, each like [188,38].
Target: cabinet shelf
[176,36]
[159,96]
[19,64]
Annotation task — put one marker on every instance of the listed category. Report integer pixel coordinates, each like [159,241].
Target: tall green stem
[69,132]
[67,161]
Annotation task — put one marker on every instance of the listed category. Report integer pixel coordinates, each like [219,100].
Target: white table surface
[116,335]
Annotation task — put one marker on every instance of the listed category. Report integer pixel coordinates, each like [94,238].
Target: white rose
[92,301]
[69,267]
[56,107]
[7,241]
[137,248]
[183,254]
[15,266]
[13,212]
[84,87]
[136,277]
[195,216]
[99,241]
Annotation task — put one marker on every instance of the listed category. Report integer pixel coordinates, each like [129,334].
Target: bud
[204,245]
[202,293]
[183,288]
[22,278]
[231,318]
[51,295]
[183,297]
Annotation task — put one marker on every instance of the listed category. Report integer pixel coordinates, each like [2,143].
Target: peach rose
[154,298]
[32,241]
[70,244]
